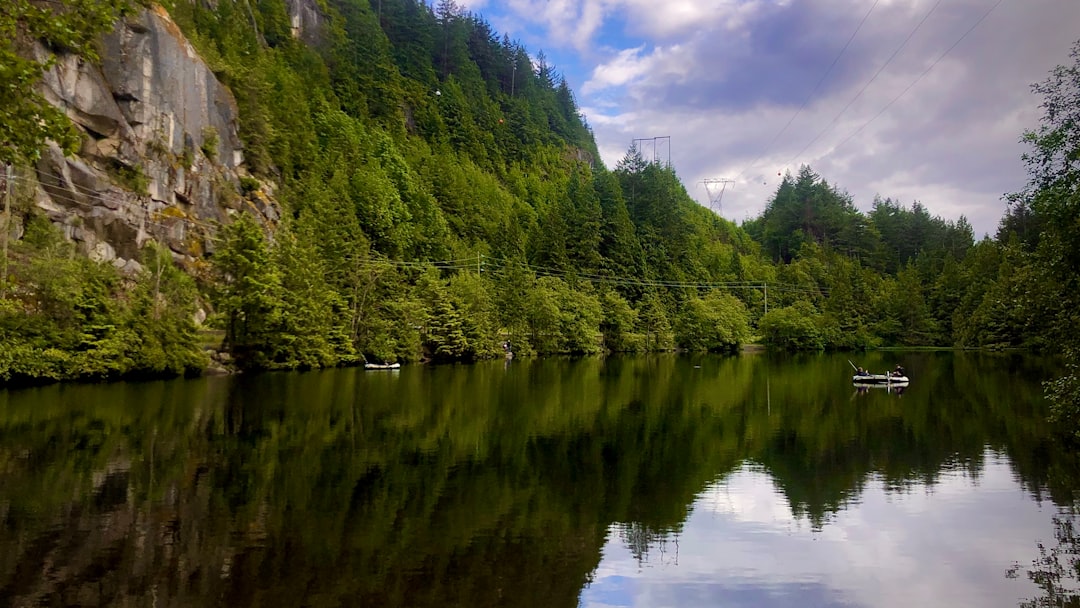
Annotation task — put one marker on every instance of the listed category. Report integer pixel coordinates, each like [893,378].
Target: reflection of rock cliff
[161,157]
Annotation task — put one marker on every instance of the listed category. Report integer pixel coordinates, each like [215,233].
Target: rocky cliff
[160,158]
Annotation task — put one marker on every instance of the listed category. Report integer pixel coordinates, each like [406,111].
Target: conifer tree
[248,292]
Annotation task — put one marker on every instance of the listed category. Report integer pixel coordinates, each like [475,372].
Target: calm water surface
[652,481]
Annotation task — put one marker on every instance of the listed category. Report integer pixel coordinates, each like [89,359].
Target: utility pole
[6,229]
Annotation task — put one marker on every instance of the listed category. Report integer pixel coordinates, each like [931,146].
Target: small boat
[879,379]
[382,366]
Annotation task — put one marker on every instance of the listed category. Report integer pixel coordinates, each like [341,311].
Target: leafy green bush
[792,328]
[717,322]
[619,324]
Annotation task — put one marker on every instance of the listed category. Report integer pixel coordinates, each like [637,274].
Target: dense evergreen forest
[444,195]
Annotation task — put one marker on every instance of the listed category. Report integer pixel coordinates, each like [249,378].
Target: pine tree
[248,290]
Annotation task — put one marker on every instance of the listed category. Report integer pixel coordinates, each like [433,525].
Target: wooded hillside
[443,196]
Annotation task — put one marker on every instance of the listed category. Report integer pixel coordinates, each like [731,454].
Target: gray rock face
[162,156]
[165,91]
[83,93]
[306,20]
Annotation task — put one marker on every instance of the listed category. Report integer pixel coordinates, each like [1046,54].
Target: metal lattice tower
[658,144]
[715,187]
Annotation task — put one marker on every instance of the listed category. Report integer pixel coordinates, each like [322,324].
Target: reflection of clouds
[949,544]
[742,497]
[732,594]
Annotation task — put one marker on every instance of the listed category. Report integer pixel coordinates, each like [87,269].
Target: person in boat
[899,371]
[861,372]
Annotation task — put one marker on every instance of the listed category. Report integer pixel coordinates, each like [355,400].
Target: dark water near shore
[651,481]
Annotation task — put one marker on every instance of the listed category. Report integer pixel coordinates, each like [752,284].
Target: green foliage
[131,177]
[718,322]
[561,319]
[71,318]
[906,234]
[792,328]
[163,311]
[472,294]
[210,142]
[807,209]
[249,184]
[619,324]
[542,314]
[387,316]
[247,292]
[311,331]
[444,335]
[1044,282]
[906,317]
[654,323]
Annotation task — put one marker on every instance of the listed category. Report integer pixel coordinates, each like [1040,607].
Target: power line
[920,77]
[458,263]
[828,127]
[636,282]
[147,215]
[815,89]
[544,271]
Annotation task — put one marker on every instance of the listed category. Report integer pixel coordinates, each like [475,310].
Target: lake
[666,480]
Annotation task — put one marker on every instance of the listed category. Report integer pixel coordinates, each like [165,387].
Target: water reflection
[629,481]
[1056,571]
[742,546]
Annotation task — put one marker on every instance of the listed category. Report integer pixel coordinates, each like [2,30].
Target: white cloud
[566,23]
[628,66]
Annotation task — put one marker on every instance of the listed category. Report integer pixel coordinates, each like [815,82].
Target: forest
[445,196]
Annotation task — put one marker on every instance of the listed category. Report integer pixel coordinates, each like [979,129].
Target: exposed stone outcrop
[306,19]
[162,156]
[166,93]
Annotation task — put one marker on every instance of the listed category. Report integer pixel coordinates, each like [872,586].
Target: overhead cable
[896,52]
[811,94]
[920,77]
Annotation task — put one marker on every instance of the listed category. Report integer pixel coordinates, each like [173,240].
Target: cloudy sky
[918,100]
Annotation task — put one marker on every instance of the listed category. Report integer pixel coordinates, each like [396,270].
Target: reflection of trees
[455,486]
[1057,570]
[822,446]
[640,539]
[475,485]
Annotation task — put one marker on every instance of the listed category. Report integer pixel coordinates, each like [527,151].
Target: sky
[916,100]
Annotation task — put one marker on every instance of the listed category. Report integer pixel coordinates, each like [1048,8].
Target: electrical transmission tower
[658,145]
[715,189]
